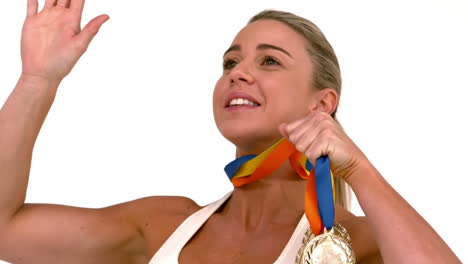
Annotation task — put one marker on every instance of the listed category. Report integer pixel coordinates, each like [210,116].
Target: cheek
[289,102]
[283,92]
[218,91]
[218,97]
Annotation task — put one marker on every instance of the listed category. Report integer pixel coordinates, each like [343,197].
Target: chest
[212,245]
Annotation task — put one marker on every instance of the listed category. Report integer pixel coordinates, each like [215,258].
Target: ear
[326,101]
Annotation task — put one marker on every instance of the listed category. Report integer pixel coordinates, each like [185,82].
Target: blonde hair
[326,73]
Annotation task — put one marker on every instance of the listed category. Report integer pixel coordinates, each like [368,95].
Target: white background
[134,117]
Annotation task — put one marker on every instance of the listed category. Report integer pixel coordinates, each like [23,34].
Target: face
[266,81]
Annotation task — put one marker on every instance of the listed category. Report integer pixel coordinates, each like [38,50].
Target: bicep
[41,233]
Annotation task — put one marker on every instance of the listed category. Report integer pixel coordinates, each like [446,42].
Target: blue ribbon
[323,183]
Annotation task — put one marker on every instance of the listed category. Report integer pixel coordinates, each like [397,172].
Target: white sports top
[170,250]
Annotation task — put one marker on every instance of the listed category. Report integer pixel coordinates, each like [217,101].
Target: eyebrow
[262,46]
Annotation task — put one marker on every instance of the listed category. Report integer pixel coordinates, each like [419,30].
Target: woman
[293,89]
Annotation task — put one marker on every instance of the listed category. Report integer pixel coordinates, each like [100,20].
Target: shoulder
[154,208]
[162,206]
[158,213]
[362,238]
[157,217]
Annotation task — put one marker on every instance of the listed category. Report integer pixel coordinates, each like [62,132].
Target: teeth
[241,101]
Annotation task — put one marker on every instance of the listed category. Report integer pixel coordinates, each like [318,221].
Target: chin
[250,139]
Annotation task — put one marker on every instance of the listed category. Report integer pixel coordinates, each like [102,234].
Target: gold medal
[331,247]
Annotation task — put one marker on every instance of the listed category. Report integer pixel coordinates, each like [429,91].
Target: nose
[241,73]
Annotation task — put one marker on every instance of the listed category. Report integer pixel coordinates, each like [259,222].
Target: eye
[270,61]
[229,64]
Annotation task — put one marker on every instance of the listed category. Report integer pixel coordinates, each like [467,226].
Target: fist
[318,134]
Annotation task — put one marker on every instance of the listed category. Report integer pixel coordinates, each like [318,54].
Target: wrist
[39,80]
[37,86]
[362,173]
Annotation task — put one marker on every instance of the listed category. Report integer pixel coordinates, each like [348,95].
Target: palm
[52,40]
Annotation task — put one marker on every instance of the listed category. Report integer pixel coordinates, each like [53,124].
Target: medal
[331,247]
[333,244]
[324,242]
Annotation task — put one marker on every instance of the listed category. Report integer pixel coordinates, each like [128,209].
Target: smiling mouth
[236,102]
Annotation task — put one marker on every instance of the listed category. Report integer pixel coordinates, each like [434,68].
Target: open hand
[52,40]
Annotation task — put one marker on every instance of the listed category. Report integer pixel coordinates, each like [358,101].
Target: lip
[234,95]
[241,108]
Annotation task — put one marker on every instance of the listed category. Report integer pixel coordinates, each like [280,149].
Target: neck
[255,145]
[276,200]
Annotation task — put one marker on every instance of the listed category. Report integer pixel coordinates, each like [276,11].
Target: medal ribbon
[319,196]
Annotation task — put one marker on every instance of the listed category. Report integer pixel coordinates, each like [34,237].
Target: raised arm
[52,42]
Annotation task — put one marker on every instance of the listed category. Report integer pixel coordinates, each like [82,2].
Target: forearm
[402,234]
[21,118]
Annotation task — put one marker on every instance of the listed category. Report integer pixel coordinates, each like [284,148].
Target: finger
[293,125]
[307,123]
[63,3]
[289,128]
[89,31]
[319,128]
[304,134]
[305,128]
[282,130]
[77,5]
[32,7]
[49,3]
[317,148]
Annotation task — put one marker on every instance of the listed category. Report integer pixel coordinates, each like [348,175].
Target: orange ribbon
[287,151]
